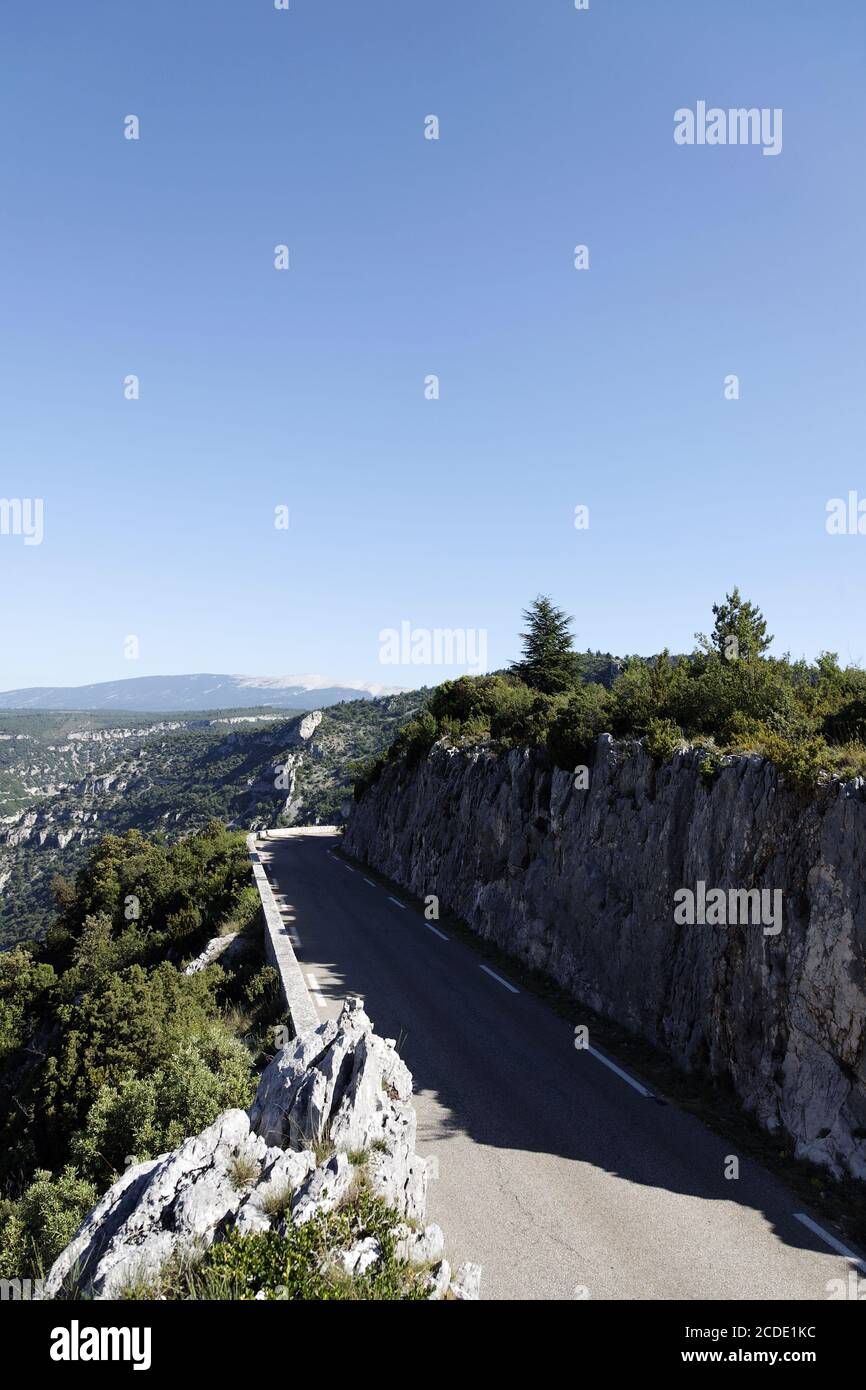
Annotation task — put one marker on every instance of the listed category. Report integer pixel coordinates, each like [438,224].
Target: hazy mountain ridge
[171,694]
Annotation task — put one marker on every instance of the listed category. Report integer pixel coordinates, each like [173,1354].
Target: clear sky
[408,257]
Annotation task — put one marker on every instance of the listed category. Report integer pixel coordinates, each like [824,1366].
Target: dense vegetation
[728,696]
[82,775]
[108,1051]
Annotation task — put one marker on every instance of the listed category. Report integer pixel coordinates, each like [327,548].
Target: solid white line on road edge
[623,1074]
[398,903]
[371,883]
[493,975]
[831,1240]
[430,927]
[314,986]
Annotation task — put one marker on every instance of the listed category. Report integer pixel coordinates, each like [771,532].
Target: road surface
[556,1172]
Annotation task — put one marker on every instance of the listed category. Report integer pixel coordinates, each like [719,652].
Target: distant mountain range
[172,694]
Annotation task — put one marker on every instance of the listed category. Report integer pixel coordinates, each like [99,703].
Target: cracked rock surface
[340,1087]
[580,885]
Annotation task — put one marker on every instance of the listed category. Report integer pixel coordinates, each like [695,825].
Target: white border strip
[831,1240]
[620,1073]
[493,975]
[314,987]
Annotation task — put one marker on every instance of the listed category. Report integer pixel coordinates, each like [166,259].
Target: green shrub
[848,723]
[143,1116]
[40,1224]
[805,763]
[663,738]
[710,767]
[525,721]
[415,739]
[24,984]
[366,774]
[473,698]
[576,726]
[263,986]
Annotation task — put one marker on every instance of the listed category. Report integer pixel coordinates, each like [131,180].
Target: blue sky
[410,257]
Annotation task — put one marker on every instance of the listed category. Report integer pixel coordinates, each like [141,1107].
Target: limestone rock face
[339,1087]
[580,884]
[225,949]
[160,1208]
[306,727]
[345,1083]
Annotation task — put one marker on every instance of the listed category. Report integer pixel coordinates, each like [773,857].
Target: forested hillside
[108,1050]
[66,779]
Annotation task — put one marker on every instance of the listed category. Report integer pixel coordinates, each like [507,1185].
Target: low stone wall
[280,952]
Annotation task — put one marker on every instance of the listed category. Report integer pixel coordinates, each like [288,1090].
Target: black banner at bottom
[85,1338]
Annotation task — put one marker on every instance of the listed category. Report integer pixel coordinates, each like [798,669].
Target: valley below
[68,778]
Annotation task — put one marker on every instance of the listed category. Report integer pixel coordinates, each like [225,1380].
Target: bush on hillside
[576,726]
[149,1115]
[40,1224]
[663,738]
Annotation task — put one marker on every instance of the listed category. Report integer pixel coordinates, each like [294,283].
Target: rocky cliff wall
[584,886]
[333,1110]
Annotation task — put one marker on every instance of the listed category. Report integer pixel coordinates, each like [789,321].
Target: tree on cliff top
[739,632]
[549,662]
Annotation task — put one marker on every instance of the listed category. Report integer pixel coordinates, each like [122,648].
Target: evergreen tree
[549,662]
[739,632]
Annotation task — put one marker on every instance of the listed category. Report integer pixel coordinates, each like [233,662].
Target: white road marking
[623,1074]
[831,1240]
[347,866]
[398,904]
[314,986]
[371,883]
[493,975]
[430,927]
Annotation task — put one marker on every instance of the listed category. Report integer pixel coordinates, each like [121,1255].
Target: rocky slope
[341,1088]
[67,779]
[581,884]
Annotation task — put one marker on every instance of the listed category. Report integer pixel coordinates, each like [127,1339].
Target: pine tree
[739,632]
[549,662]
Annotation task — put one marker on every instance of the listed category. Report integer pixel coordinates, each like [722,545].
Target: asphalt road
[555,1173]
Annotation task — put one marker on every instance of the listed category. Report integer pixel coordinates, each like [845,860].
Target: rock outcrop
[340,1087]
[580,884]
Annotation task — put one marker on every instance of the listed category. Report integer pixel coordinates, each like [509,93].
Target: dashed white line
[430,927]
[371,883]
[599,1057]
[314,986]
[831,1240]
[396,902]
[347,866]
[493,975]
